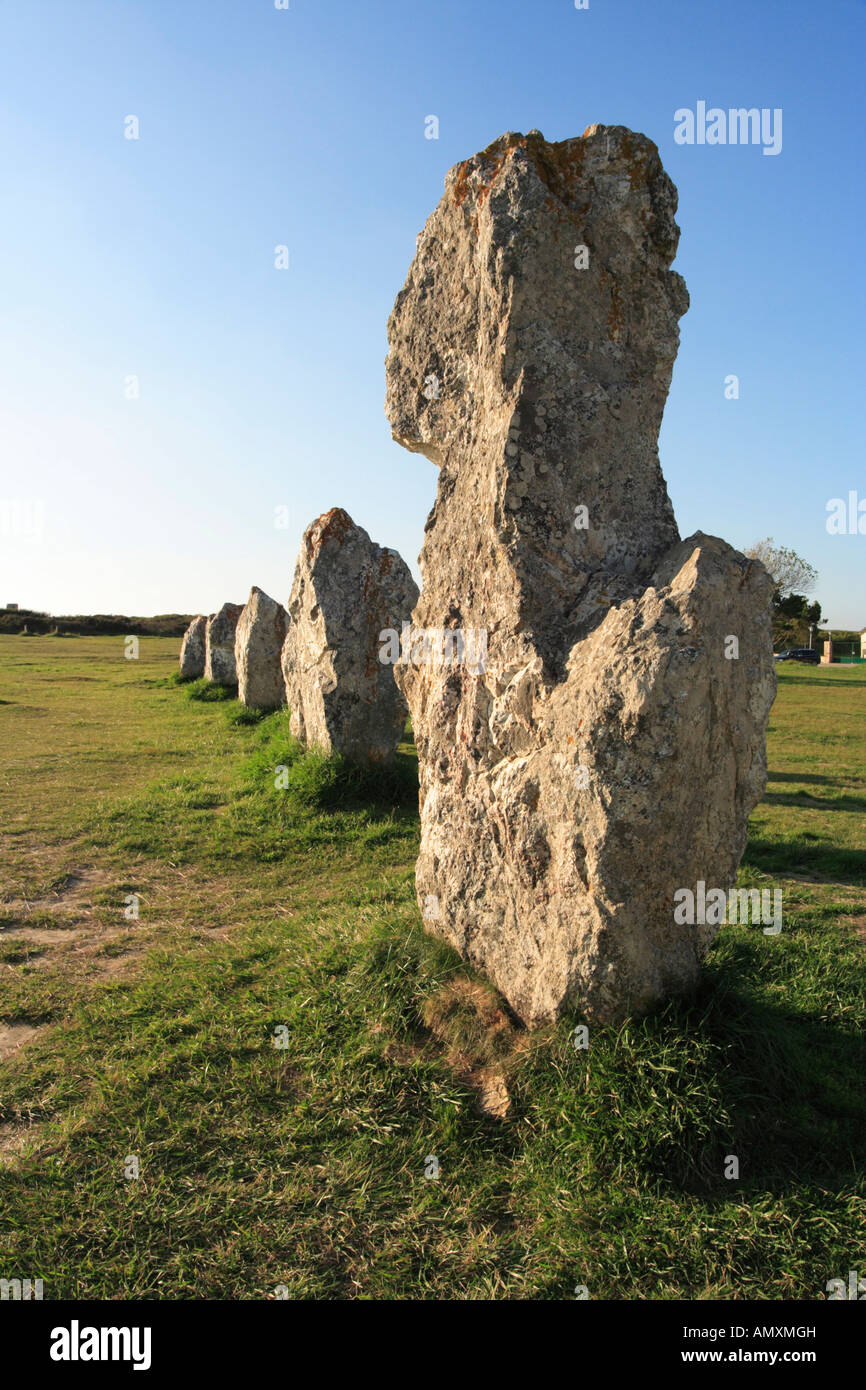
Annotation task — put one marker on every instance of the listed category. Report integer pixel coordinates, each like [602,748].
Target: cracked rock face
[192,649]
[347,591]
[613,746]
[219,663]
[259,638]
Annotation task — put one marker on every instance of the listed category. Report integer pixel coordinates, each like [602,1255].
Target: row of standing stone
[321,657]
[610,750]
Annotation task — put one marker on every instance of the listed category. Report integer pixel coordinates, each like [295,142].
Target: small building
[12,608]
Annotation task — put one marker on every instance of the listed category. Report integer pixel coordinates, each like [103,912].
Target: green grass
[267,907]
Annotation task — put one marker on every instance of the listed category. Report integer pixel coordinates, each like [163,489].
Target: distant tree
[792,620]
[798,606]
[791,574]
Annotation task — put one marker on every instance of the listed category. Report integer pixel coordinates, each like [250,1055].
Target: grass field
[287,916]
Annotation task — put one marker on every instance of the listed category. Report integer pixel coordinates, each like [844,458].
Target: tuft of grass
[327,780]
[208,692]
[319,781]
[246,718]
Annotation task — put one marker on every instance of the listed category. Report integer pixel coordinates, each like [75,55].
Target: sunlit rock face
[219,663]
[192,649]
[259,638]
[347,592]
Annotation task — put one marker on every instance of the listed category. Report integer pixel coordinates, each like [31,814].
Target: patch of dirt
[45,936]
[491,1092]
[114,965]
[71,899]
[14,1138]
[69,908]
[468,1017]
[404,1054]
[13,1035]
[474,1003]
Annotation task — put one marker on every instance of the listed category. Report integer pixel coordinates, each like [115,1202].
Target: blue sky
[263,388]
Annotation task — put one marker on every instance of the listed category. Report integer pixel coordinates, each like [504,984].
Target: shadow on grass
[807,802]
[791,679]
[791,1083]
[674,1097]
[796,856]
[319,781]
[819,779]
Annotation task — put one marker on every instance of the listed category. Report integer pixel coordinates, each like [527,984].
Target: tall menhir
[614,745]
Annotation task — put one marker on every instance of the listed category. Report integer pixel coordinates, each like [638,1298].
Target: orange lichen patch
[616,316]
[332,525]
[461,182]
[616,312]
[637,158]
[496,152]
[560,166]
[484,190]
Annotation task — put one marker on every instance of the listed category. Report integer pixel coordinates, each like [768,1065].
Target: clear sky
[262,388]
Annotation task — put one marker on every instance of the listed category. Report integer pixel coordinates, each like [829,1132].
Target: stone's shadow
[791,1107]
[818,778]
[787,1081]
[820,680]
[835,865]
[816,803]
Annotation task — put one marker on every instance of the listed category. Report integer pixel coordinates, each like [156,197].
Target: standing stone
[192,649]
[259,639]
[613,745]
[219,661]
[347,594]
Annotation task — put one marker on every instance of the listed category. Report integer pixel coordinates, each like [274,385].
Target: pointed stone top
[333,525]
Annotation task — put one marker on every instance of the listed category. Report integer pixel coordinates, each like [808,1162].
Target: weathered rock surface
[192,649]
[259,638]
[611,750]
[347,591]
[219,662]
